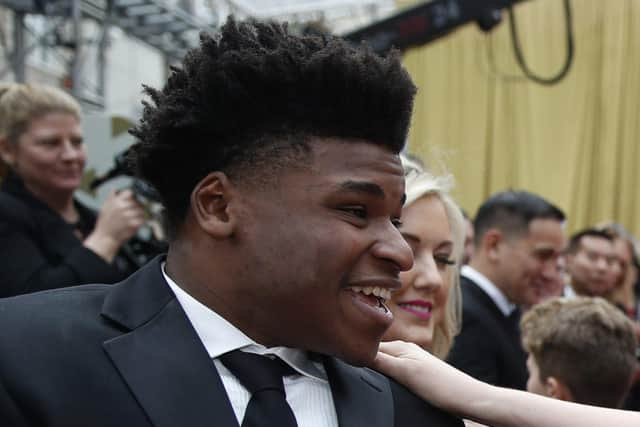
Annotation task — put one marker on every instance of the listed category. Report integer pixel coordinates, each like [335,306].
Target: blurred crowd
[529,307]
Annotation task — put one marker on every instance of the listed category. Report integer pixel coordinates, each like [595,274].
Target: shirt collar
[569,292]
[219,336]
[496,295]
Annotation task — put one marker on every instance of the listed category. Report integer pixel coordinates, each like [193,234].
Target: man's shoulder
[474,299]
[57,330]
[85,301]
[411,410]
[69,295]
[480,314]
[46,309]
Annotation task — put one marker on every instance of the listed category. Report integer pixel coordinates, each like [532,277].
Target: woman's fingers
[398,359]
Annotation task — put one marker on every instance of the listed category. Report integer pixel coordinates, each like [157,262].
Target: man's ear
[491,243]
[6,152]
[210,204]
[557,389]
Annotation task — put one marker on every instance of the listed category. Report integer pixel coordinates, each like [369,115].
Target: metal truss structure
[170,26]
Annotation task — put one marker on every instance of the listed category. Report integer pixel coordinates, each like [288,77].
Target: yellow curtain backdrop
[574,143]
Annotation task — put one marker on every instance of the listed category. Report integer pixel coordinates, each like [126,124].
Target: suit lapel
[482,298]
[161,358]
[361,397]
[507,331]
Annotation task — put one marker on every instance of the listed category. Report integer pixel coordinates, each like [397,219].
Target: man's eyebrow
[366,188]
[545,251]
[362,187]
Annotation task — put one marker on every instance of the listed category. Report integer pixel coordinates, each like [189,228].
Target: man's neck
[491,288]
[579,289]
[483,267]
[217,294]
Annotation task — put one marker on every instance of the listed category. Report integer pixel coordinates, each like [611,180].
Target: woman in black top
[47,238]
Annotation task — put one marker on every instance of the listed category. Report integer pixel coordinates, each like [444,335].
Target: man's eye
[397,223]
[49,142]
[357,211]
[545,255]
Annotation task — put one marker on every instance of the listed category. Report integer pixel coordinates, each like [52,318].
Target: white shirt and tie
[308,394]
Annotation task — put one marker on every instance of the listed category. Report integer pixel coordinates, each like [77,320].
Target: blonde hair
[21,103]
[421,183]
[623,292]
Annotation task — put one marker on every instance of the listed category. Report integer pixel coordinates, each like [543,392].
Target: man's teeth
[420,308]
[377,291]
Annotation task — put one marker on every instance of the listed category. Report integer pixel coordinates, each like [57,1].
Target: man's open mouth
[374,295]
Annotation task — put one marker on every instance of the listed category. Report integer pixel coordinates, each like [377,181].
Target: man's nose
[550,269]
[602,264]
[392,247]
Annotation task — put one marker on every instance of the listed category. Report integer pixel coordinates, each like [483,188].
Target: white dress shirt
[569,292]
[498,297]
[308,394]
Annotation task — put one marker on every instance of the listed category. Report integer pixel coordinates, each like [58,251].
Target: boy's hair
[511,211]
[576,239]
[247,101]
[586,343]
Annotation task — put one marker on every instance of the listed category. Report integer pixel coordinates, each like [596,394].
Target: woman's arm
[456,392]
[38,253]
[24,268]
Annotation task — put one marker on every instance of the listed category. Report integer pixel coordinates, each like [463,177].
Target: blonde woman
[49,240]
[426,309]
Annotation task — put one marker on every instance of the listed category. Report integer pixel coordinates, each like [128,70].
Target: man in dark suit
[518,240]
[277,161]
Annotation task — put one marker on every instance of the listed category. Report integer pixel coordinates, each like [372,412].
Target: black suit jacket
[488,346]
[126,355]
[39,250]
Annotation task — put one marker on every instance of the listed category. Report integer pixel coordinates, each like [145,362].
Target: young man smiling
[277,161]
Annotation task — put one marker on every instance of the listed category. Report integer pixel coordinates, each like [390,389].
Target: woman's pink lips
[409,307]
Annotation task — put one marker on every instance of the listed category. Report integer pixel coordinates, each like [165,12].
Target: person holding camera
[47,238]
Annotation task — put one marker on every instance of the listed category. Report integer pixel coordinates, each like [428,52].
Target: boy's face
[319,245]
[534,384]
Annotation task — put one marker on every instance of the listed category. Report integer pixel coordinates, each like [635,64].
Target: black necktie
[262,377]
